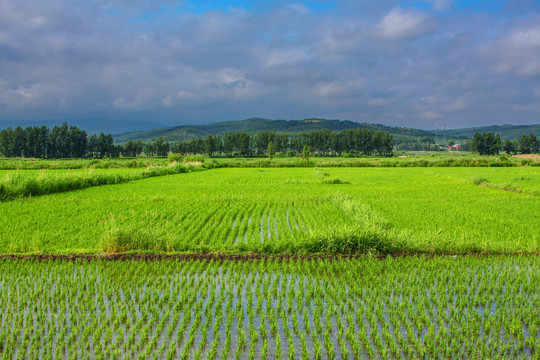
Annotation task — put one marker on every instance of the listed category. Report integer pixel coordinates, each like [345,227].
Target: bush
[174,157]
[194,158]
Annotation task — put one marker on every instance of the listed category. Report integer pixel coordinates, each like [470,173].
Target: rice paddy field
[287,210]
[272,263]
[404,308]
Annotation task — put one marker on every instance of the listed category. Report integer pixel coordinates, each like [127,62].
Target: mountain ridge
[183,132]
[506,131]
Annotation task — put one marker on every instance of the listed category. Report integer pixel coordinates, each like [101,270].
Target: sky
[403,63]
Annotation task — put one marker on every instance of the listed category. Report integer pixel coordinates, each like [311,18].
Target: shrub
[174,157]
[194,158]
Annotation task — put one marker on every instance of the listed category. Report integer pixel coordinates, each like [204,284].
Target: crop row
[316,309]
[285,211]
[21,184]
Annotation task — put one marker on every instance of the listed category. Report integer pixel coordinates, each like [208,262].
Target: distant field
[400,159]
[36,173]
[289,210]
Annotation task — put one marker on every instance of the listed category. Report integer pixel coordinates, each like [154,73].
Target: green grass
[31,163]
[400,159]
[27,183]
[273,210]
[448,308]
[409,307]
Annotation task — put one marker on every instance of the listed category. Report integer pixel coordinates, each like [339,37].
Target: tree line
[71,142]
[490,144]
[320,142]
[59,142]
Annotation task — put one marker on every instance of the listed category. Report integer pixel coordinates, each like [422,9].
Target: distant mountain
[257,124]
[505,131]
[91,125]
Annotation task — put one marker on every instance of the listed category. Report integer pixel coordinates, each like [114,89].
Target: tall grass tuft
[120,237]
[479,180]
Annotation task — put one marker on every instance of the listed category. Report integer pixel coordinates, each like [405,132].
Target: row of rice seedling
[21,184]
[238,210]
[466,307]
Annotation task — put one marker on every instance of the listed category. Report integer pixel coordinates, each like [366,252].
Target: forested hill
[505,131]
[257,124]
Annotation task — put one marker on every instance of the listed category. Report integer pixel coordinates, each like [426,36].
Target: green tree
[271,150]
[486,143]
[210,145]
[305,152]
[508,146]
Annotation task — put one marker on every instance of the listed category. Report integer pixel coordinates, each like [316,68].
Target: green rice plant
[378,213]
[391,308]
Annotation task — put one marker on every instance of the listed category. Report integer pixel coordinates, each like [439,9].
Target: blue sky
[405,63]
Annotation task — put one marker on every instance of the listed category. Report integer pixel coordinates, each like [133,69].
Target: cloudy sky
[405,63]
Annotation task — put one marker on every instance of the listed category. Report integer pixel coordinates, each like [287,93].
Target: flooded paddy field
[356,308]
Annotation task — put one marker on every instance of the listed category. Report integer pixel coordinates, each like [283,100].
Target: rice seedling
[484,307]
[241,210]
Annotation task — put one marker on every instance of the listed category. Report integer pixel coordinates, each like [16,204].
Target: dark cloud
[390,63]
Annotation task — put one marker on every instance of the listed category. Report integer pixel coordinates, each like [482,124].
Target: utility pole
[436,135]
[445,135]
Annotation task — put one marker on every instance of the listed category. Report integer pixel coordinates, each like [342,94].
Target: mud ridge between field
[238,257]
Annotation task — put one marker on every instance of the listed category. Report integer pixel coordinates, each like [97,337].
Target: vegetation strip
[245,257]
[17,185]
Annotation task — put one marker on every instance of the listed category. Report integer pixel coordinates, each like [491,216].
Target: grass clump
[325,178]
[479,180]
[121,236]
[335,180]
[194,158]
[369,233]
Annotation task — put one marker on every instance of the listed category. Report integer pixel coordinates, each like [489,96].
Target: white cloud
[430,115]
[299,8]
[58,59]
[441,4]
[517,51]
[403,24]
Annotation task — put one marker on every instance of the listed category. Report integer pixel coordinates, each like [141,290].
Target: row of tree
[59,142]
[527,144]
[321,142]
[71,142]
[486,143]
[490,144]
